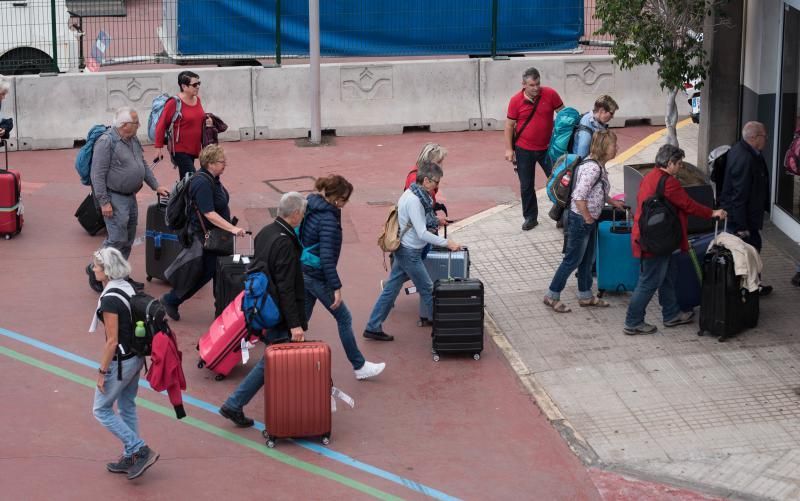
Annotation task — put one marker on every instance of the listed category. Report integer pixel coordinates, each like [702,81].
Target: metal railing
[67,35]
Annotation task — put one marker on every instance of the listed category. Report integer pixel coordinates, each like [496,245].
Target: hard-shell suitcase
[220,347]
[230,275]
[726,308]
[11,219]
[162,244]
[297,391]
[617,269]
[689,268]
[436,262]
[89,215]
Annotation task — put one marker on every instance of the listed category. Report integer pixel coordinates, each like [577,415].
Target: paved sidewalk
[674,407]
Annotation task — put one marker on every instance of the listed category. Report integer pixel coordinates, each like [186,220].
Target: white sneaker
[369,370]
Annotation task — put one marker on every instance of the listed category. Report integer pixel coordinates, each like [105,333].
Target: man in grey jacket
[118,172]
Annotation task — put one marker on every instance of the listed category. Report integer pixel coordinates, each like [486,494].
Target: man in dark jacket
[745,189]
[277,249]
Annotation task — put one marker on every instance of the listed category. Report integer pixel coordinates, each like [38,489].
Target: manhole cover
[302,184]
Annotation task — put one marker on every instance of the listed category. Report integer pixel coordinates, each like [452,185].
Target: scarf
[431,223]
[120,284]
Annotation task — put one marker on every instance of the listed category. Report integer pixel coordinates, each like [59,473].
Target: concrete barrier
[579,80]
[375,98]
[357,99]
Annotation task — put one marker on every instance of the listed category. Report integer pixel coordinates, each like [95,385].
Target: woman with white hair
[6,124]
[120,366]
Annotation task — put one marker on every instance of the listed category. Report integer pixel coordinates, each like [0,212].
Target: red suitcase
[297,391]
[220,347]
[10,200]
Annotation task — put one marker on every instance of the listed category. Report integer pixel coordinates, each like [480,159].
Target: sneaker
[143,459]
[95,284]
[238,417]
[137,286]
[121,466]
[171,309]
[424,322]
[378,336]
[684,317]
[642,328]
[369,369]
[529,224]
[765,290]
[796,279]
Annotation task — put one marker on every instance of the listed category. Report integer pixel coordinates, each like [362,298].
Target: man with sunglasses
[118,172]
[186,134]
[591,122]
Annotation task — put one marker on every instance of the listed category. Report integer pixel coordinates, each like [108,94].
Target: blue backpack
[559,184]
[83,162]
[156,109]
[566,123]
[260,309]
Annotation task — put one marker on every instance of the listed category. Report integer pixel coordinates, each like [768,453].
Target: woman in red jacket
[659,272]
[185,141]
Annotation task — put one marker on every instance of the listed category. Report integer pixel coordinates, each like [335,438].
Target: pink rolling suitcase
[10,204]
[220,347]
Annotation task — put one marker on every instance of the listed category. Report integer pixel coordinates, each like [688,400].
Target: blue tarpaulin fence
[378,27]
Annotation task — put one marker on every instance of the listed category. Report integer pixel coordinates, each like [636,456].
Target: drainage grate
[302,184]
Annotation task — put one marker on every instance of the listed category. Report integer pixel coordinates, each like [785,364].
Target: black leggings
[184,162]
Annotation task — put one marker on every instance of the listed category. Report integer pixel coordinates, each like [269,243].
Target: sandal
[594,301]
[557,306]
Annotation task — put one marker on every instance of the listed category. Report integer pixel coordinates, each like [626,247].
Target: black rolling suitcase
[162,245]
[230,275]
[726,308]
[89,215]
[457,317]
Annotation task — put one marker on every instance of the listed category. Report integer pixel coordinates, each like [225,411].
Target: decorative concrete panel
[135,91]
[366,82]
[589,77]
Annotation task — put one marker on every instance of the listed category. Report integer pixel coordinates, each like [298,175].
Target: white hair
[5,86]
[752,129]
[123,116]
[115,266]
[290,203]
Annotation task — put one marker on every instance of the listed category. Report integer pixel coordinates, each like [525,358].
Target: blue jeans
[407,265]
[317,289]
[526,171]
[579,254]
[251,383]
[121,226]
[658,274]
[124,425]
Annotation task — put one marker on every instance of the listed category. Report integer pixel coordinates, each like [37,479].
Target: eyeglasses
[195,85]
[436,181]
[136,123]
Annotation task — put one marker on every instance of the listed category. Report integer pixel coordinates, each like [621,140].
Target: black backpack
[176,213]
[660,231]
[150,312]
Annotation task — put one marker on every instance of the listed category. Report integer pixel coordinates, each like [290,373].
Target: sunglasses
[195,85]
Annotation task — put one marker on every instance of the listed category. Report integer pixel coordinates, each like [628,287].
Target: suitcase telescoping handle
[5,147]
[716,226]
[251,247]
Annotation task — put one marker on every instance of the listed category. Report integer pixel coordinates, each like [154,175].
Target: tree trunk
[671,117]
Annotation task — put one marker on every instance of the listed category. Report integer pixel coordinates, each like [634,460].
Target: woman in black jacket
[321,236]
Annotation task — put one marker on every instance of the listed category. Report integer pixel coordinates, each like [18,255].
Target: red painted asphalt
[463,427]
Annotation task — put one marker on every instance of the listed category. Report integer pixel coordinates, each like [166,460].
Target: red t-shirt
[536,136]
[187,134]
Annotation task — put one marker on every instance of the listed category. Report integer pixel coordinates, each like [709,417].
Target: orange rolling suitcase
[297,391]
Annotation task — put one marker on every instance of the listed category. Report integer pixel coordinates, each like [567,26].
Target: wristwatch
[101,371]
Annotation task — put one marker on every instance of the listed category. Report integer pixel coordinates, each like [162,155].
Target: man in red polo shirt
[530,121]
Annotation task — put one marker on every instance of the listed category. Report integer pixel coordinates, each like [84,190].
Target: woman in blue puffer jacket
[321,236]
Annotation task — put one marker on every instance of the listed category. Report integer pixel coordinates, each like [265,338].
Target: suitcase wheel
[270,442]
[325,440]
[435,357]
[8,237]
[476,356]
[219,377]
[200,364]
[148,278]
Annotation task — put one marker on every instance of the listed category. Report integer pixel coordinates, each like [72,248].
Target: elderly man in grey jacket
[118,172]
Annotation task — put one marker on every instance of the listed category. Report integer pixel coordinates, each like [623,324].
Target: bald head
[755,134]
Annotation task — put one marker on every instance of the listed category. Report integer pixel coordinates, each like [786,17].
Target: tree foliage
[667,33]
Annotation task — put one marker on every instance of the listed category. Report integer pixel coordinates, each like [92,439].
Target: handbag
[216,240]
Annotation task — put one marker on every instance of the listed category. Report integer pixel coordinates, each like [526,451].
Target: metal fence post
[494,29]
[54,34]
[313,71]
[278,32]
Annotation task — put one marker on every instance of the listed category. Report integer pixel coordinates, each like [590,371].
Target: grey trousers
[121,226]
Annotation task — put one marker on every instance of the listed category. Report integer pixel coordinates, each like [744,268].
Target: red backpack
[791,162]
